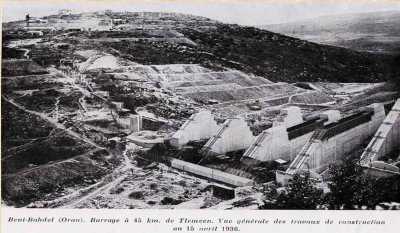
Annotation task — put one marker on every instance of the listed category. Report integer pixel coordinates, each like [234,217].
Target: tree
[300,193]
[351,188]
[395,74]
[343,184]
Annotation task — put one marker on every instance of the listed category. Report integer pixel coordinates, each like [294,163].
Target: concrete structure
[118,21]
[150,123]
[199,126]
[40,28]
[65,12]
[289,117]
[222,192]
[385,142]
[145,138]
[283,142]
[381,169]
[212,174]
[333,141]
[27,18]
[35,33]
[118,105]
[135,123]
[274,143]
[233,135]
[331,116]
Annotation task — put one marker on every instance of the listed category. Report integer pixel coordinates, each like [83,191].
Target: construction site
[92,119]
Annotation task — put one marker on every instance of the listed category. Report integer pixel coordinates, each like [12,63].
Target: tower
[27,18]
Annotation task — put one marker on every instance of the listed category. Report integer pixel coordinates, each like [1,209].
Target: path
[53,122]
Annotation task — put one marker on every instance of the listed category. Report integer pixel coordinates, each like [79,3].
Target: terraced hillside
[220,46]
[38,158]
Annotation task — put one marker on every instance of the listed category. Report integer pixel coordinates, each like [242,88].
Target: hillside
[282,58]
[168,38]
[91,105]
[377,32]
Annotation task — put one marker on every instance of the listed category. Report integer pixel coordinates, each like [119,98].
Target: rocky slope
[160,38]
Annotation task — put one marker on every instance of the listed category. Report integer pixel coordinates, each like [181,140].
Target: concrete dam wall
[233,135]
[285,140]
[289,117]
[385,142]
[274,143]
[335,140]
[199,126]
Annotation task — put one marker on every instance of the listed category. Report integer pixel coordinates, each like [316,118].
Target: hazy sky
[250,12]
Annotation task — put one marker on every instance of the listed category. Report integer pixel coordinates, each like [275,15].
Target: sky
[244,12]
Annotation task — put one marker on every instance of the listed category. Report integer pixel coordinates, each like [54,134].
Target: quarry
[95,118]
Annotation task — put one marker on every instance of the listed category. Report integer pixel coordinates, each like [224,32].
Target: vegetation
[170,201]
[136,195]
[12,53]
[395,64]
[20,127]
[46,181]
[299,194]
[267,54]
[20,67]
[283,58]
[350,188]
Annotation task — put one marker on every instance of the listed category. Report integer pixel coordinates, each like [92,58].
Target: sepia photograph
[217,105]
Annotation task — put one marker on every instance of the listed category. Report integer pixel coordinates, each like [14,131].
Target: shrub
[136,195]
[170,201]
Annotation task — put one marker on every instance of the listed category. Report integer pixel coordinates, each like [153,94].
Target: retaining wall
[211,173]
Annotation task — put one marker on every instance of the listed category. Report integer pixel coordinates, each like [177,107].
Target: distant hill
[198,40]
[377,32]
[283,58]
